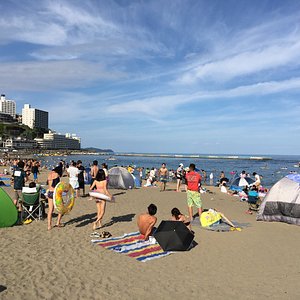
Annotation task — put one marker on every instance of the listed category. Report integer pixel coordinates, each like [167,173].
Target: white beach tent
[120,178]
[282,203]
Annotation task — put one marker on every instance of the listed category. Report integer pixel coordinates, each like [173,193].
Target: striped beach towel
[133,245]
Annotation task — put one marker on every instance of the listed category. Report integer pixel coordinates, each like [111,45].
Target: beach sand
[260,262]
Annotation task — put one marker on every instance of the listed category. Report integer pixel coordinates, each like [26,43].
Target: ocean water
[271,170]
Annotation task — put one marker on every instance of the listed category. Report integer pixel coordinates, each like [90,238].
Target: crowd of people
[190,178]
[26,171]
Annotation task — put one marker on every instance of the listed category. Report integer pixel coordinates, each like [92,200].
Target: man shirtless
[147,221]
[163,176]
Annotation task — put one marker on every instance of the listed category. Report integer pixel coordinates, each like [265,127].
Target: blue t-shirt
[253,193]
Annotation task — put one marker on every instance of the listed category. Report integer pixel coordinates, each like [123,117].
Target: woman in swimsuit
[100,185]
[53,180]
[94,171]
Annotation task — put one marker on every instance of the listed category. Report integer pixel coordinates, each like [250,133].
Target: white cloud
[268,44]
[246,63]
[37,76]
[153,106]
[164,105]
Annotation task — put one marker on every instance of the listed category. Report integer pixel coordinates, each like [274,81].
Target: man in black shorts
[81,168]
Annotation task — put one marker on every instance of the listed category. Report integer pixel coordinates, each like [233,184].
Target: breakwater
[200,156]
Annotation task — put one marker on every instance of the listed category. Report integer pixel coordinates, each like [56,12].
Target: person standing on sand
[94,171]
[100,185]
[35,171]
[73,177]
[163,176]
[193,195]
[147,221]
[81,173]
[105,169]
[179,176]
[257,182]
[53,180]
[19,177]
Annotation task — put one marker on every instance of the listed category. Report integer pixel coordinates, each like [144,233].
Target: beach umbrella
[173,236]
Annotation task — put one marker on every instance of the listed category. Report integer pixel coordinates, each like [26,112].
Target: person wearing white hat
[179,176]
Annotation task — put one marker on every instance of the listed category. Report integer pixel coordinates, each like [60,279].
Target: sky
[190,76]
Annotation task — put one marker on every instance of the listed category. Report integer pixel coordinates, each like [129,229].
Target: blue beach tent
[237,183]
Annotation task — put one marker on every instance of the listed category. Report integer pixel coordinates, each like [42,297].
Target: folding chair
[253,202]
[31,206]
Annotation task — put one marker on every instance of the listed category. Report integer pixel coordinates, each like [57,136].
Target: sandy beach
[260,262]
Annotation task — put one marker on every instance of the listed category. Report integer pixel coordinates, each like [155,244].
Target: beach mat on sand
[222,227]
[133,245]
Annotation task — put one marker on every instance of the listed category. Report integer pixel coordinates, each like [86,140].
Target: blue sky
[186,76]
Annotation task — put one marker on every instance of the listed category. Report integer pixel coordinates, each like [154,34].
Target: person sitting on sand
[244,194]
[147,221]
[178,216]
[100,185]
[224,188]
[253,200]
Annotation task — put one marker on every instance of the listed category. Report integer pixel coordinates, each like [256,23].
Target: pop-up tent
[282,203]
[120,178]
[8,211]
[237,183]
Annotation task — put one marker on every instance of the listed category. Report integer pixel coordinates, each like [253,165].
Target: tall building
[34,118]
[7,106]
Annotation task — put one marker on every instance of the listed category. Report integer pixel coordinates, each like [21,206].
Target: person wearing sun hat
[179,176]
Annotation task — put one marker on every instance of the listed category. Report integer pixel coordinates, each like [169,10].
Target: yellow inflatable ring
[63,197]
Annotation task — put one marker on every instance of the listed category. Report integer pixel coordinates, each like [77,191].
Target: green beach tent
[8,211]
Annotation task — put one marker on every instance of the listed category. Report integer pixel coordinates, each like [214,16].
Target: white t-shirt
[223,189]
[257,178]
[73,172]
[152,173]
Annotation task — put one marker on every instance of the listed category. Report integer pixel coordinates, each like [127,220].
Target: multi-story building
[54,140]
[7,106]
[34,118]
[6,118]
[19,143]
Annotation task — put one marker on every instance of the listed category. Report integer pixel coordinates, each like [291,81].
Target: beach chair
[31,205]
[253,202]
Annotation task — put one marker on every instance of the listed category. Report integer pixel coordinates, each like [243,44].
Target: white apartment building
[54,140]
[7,106]
[34,118]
